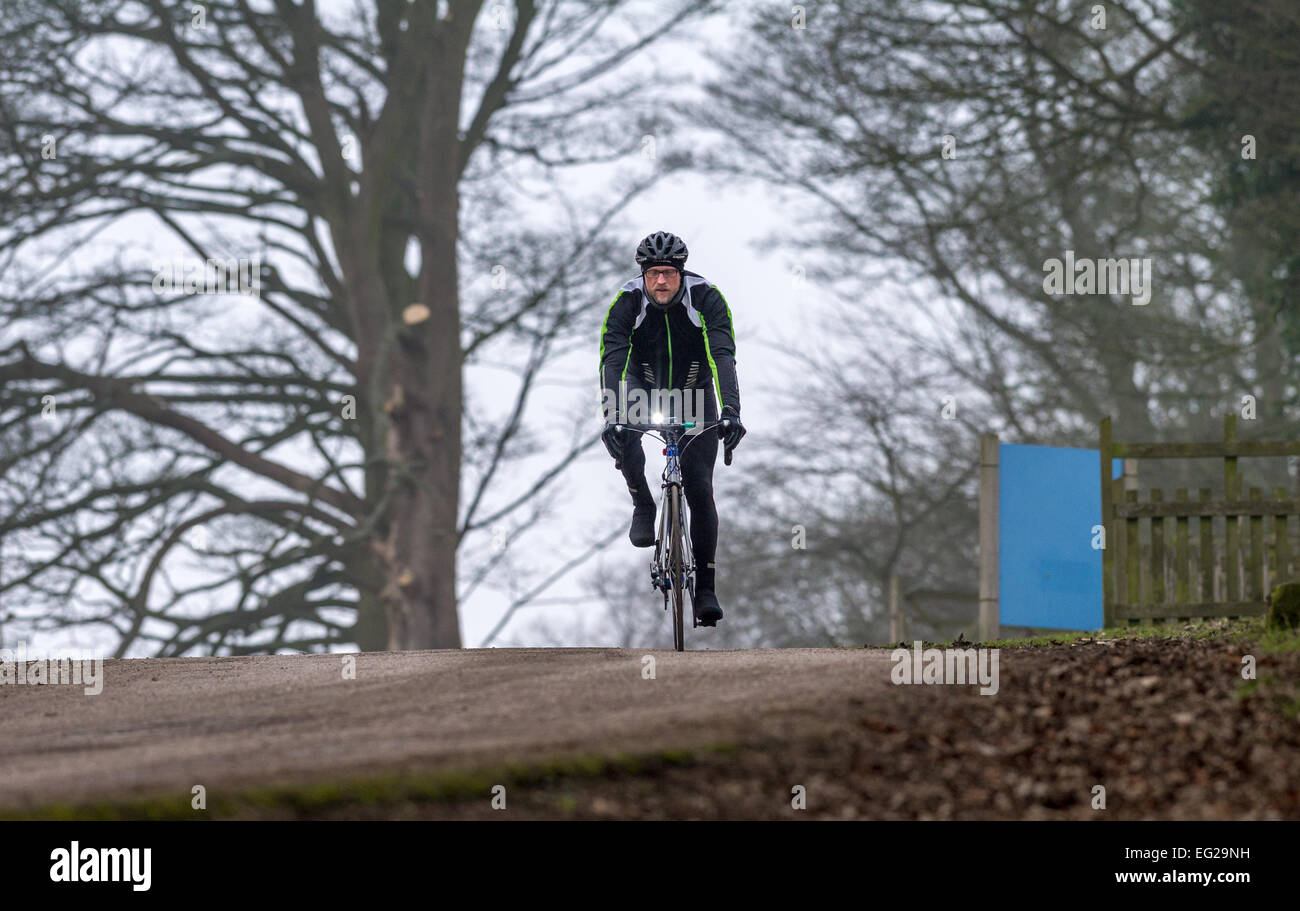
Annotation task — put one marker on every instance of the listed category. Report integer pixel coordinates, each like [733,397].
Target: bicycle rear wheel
[675,566]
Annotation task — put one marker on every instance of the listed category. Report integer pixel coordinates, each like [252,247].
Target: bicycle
[672,568]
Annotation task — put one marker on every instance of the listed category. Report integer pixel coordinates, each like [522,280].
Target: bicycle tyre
[675,567]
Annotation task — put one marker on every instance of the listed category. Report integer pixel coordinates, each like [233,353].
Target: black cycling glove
[613,440]
[733,432]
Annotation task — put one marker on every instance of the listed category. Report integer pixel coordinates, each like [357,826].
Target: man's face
[662,282]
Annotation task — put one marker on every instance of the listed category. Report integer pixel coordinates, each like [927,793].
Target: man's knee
[699,491]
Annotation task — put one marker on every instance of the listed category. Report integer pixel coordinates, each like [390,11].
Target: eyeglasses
[655,274]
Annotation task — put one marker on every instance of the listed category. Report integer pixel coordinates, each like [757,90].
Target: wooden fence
[1199,567]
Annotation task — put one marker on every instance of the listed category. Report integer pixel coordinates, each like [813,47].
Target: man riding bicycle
[668,334]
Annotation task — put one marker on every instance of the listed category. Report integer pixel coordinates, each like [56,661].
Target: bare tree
[297,467]
[1243,116]
[955,148]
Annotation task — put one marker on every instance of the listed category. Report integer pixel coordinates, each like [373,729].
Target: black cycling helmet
[662,249]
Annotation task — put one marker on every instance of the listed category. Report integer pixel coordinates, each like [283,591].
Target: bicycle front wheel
[675,561]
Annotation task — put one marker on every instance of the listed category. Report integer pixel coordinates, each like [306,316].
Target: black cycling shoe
[707,609]
[643,525]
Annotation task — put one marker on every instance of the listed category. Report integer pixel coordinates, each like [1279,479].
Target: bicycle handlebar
[674,425]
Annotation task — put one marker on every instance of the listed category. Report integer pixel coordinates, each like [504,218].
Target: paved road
[161,726]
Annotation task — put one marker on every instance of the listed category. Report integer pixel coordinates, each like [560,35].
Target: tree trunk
[371,630]
[418,550]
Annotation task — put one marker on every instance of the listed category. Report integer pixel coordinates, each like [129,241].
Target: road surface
[161,726]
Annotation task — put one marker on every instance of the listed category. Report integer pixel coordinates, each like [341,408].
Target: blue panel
[1049,575]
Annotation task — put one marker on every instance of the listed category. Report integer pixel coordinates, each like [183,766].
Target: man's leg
[632,459]
[633,462]
[697,476]
[642,532]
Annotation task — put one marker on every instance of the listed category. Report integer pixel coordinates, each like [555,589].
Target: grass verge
[304,800]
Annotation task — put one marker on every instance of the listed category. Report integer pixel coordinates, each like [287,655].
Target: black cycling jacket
[687,345]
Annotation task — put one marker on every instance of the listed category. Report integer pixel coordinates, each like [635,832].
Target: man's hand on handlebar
[613,436]
[731,432]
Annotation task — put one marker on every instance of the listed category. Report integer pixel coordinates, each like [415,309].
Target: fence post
[988,621]
[1281,546]
[1209,562]
[1109,538]
[1232,493]
[1182,558]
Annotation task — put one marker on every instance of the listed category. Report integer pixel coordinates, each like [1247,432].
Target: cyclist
[670,330]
